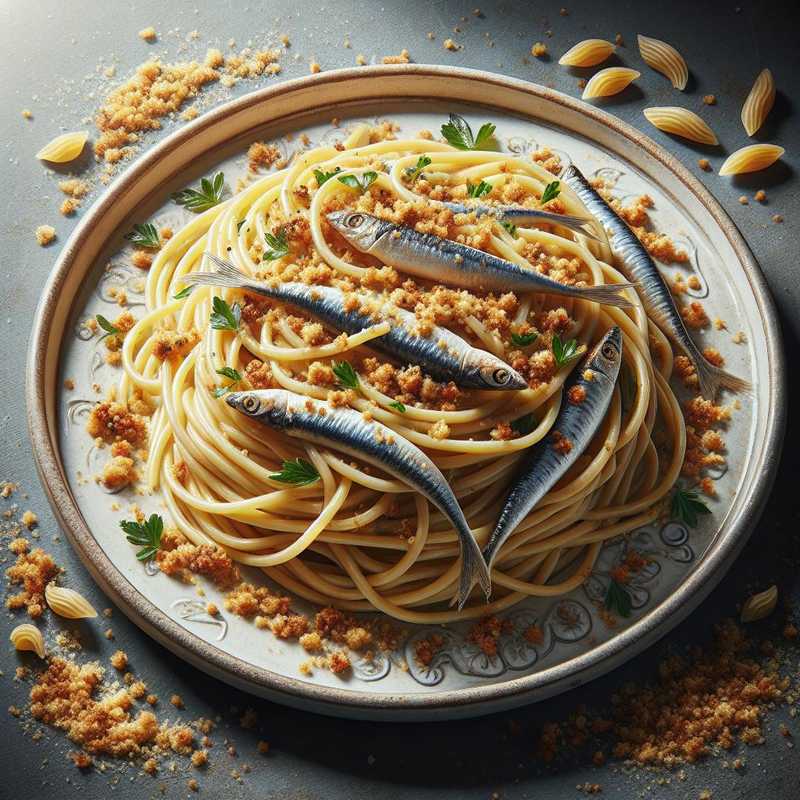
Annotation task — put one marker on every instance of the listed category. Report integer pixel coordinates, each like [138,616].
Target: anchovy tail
[473,568]
[607,294]
[712,378]
[227,276]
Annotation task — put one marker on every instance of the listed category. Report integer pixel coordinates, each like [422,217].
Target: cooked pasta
[759,102]
[66,147]
[587,53]
[355,537]
[28,637]
[609,81]
[68,603]
[664,58]
[681,122]
[751,158]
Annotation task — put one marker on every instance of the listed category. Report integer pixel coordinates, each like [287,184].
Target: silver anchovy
[637,265]
[345,429]
[443,354]
[577,422]
[519,215]
[439,259]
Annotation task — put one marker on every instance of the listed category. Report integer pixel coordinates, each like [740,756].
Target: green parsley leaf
[234,376]
[185,292]
[225,317]
[510,227]
[359,184]
[144,236]
[524,425]
[687,505]
[412,173]
[325,176]
[551,191]
[346,374]
[458,133]
[524,339]
[197,200]
[299,472]
[478,189]
[618,600]
[279,246]
[398,406]
[109,328]
[146,535]
[564,352]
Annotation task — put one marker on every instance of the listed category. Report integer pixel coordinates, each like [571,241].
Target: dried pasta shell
[611,80]
[665,59]
[751,159]
[681,122]
[759,102]
[587,53]
[760,605]
[68,603]
[64,148]
[28,637]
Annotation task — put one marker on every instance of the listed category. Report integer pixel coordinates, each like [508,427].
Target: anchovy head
[266,405]
[606,356]
[493,373]
[361,230]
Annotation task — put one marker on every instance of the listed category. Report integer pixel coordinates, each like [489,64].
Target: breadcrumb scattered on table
[45,234]
[148,34]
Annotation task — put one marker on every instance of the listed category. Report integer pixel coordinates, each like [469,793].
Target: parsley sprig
[687,505]
[524,339]
[360,184]
[144,235]
[344,371]
[109,327]
[564,352]
[617,600]
[322,176]
[233,375]
[146,535]
[551,191]
[478,189]
[298,472]
[278,246]
[207,196]
[412,173]
[185,292]
[398,406]
[510,227]
[225,317]
[459,134]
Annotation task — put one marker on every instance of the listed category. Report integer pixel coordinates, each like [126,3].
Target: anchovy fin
[227,275]
[473,568]
[607,294]
[712,379]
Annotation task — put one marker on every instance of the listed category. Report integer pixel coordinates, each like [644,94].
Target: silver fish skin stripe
[519,215]
[639,267]
[442,260]
[457,361]
[543,466]
[345,429]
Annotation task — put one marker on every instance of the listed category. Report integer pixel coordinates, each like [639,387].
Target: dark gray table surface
[51,50]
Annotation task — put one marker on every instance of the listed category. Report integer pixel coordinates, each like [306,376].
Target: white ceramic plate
[461,680]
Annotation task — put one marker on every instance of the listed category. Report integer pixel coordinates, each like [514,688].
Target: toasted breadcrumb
[119,660]
[45,234]
[539,50]
[27,113]
[314,67]
[32,571]
[148,34]
[709,100]
[704,164]
[449,44]
[403,58]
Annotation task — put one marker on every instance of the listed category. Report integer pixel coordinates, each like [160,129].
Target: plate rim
[468,701]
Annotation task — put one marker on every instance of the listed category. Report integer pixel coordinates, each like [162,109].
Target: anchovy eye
[501,376]
[355,221]
[250,403]
[609,351]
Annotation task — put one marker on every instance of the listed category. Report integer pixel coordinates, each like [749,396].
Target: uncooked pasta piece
[28,637]
[587,53]
[66,147]
[611,80]
[761,605]
[665,59]
[759,102]
[68,603]
[751,159]
[681,122]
